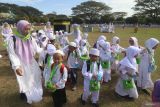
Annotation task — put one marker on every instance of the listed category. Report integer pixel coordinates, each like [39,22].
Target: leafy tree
[91,10]
[107,18]
[119,14]
[132,20]
[149,8]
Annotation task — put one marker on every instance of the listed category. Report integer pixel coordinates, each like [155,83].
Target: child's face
[71,48]
[131,42]
[93,58]
[57,58]
[26,30]
[155,47]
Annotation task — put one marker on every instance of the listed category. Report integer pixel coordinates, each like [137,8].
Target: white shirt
[72,59]
[60,79]
[88,74]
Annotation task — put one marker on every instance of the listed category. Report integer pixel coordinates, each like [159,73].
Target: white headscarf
[100,43]
[50,35]
[106,46]
[83,43]
[59,52]
[135,40]
[115,39]
[51,49]
[130,60]
[150,43]
[44,42]
[102,37]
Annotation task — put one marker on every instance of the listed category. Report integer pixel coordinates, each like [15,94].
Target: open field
[9,96]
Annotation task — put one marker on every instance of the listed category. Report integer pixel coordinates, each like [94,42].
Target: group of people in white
[107,28]
[60,60]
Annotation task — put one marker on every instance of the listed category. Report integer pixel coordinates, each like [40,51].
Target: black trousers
[59,97]
[74,76]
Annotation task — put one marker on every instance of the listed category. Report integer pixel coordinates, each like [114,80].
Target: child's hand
[56,86]
[19,72]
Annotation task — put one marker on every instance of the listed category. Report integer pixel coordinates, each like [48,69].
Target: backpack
[88,65]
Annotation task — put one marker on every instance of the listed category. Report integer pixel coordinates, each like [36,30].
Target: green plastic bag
[138,60]
[94,85]
[128,84]
[117,57]
[105,64]
[84,57]
[50,86]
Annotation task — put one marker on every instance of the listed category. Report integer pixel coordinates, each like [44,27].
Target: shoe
[95,104]
[23,96]
[146,91]
[74,88]
[82,101]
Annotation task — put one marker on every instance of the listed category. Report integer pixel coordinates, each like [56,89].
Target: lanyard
[53,71]
[48,61]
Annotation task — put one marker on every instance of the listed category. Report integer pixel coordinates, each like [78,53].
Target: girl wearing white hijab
[105,57]
[84,52]
[76,33]
[100,38]
[144,79]
[64,40]
[133,41]
[6,30]
[116,49]
[21,54]
[127,70]
[85,37]
[6,33]
[48,61]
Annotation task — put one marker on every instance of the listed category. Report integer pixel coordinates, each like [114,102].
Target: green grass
[9,96]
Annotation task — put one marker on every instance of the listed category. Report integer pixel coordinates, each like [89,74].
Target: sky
[64,6]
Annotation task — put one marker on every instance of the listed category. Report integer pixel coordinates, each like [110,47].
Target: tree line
[90,12]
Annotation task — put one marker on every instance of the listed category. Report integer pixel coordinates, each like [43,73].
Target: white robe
[116,50]
[30,83]
[144,78]
[123,76]
[77,34]
[41,62]
[106,56]
[72,61]
[87,77]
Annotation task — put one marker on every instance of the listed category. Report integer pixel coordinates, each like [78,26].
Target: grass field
[9,96]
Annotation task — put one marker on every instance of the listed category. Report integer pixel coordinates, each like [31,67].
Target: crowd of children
[60,60]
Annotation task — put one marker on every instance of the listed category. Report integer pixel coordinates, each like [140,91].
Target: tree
[119,14]
[91,10]
[107,18]
[132,20]
[149,8]
[76,19]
